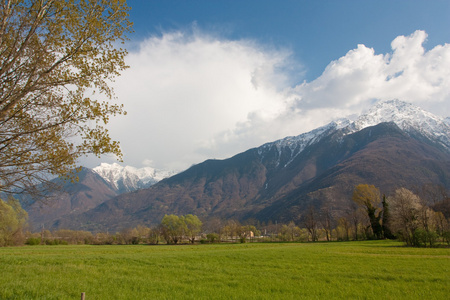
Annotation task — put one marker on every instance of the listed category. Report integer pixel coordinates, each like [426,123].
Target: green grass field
[351,270]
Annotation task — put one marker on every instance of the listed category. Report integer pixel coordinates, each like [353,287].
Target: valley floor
[335,270]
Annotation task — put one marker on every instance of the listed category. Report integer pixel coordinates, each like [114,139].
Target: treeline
[404,215]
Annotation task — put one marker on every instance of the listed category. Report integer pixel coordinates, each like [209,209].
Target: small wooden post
[82,296]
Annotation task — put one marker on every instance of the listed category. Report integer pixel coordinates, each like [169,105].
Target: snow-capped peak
[406,116]
[127,178]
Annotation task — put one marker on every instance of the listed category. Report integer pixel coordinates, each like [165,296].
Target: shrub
[212,237]
[446,237]
[32,241]
[424,238]
[55,242]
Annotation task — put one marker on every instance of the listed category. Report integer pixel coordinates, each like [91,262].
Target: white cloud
[182,90]
[193,96]
[408,73]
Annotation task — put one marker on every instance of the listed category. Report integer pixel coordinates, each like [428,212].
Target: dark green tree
[385,219]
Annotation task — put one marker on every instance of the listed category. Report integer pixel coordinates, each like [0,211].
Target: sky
[210,79]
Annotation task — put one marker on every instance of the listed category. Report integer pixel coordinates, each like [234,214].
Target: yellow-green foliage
[53,55]
[12,221]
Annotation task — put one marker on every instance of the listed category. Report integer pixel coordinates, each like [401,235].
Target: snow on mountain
[406,116]
[127,178]
[296,144]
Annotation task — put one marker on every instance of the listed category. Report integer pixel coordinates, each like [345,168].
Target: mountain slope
[382,155]
[279,180]
[73,198]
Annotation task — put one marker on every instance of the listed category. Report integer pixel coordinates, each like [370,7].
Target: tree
[12,222]
[232,229]
[368,197]
[442,225]
[212,237]
[54,56]
[385,219]
[311,223]
[102,238]
[214,226]
[290,232]
[411,220]
[358,219]
[173,228]
[193,226]
[248,231]
[343,229]
[154,235]
[326,220]
[128,236]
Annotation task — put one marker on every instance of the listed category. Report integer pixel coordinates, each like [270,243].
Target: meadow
[335,270]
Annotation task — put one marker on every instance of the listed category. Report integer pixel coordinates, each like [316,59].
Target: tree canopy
[56,57]
[193,226]
[412,221]
[12,221]
[174,228]
[369,197]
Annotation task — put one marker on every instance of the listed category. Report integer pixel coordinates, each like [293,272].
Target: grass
[355,270]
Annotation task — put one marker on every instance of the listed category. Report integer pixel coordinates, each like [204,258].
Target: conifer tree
[385,219]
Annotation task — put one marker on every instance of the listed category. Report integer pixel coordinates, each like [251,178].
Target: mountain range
[93,187]
[395,144]
[127,179]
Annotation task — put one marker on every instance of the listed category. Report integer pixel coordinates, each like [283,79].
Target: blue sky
[317,32]
[210,79]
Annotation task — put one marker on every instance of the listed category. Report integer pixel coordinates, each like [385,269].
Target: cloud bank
[193,96]
[409,73]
